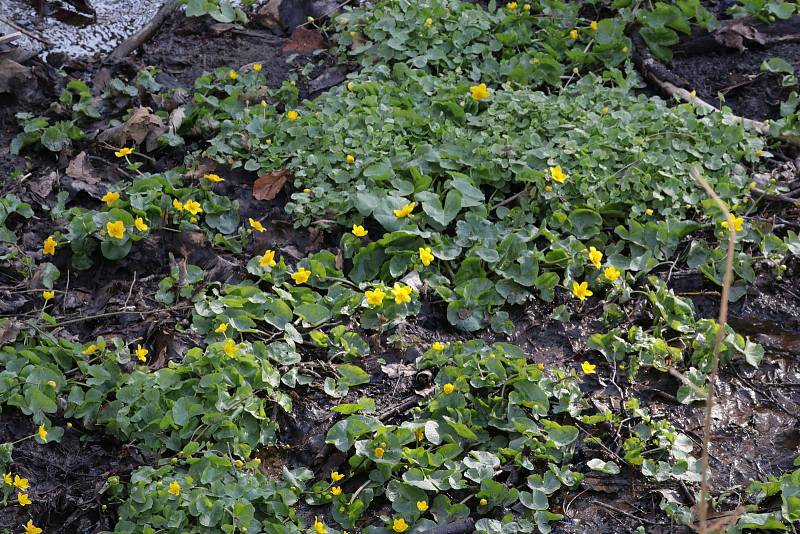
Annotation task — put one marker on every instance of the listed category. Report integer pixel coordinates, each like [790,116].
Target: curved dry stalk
[723,318]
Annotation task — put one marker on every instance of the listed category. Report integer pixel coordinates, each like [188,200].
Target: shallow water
[116,20]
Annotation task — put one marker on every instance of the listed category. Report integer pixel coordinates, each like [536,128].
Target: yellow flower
[7,480]
[256,225]
[359,231]
[350,159]
[42,433]
[593,25]
[47,295]
[350,86]
[511,5]
[336,476]
[336,491]
[422,505]
[604,110]
[738,223]
[238,463]
[20,483]
[401,293]
[301,276]
[257,67]
[292,115]
[405,211]
[428,21]
[479,92]
[425,255]
[23,499]
[91,349]
[267,259]
[177,204]
[174,488]
[309,19]
[230,349]
[596,257]
[693,94]
[759,152]
[548,188]
[611,273]
[588,368]
[483,502]
[140,224]
[110,197]
[379,452]
[526,7]
[116,229]
[438,346]
[124,151]
[141,353]
[49,246]
[648,212]
[420,432]
[30,528]
[581,290]
[375,297]
[399,525]
[193,207]
[319,526]
[232,75]
[573,34]
[558,174]
[448,388]
[624,49]
[221,328]
[214,178]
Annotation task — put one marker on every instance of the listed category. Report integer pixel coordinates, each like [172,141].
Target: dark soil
[726,76]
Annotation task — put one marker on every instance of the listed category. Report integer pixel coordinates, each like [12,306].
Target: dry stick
[137,39]
[29,33]
[723,318]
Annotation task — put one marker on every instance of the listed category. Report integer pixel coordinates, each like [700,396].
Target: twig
[628,514]
[723,318]
[29,33]
[121,312]
[136,40]
[399,408]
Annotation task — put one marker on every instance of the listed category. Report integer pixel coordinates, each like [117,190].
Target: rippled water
[116,20]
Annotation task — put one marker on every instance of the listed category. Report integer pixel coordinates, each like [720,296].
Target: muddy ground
[756,432]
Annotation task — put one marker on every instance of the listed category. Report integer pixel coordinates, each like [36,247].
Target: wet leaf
[267,186]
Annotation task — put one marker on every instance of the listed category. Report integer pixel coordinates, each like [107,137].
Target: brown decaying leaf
[305,40]
[81,169]
[267,186]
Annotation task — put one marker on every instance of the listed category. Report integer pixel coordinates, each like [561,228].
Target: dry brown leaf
[43,185]
[268,186]
[81,169]
[305,40]
[143,125]
[735,35]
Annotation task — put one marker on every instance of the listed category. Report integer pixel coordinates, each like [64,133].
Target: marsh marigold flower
[301,276]
[177,204]
[49,246]
[425,255]
[47,295]
[401,293]
[405,211]
[124,151]
[20,483]
[374,297]
[256,225]
[110,197]
[91,349]
[23,499]
[573,34]
[292,115]
[593,25]
[581,290]
[193,207]
[7,480]
[422,505]
[30,528]
[232,75]
[336,491]
[214,178]
[596,257]
[483,502]
[319,526]
[350,159]
[257,67]
[738,223]
[611,273]
[267,259]
[141,353]
[448,388]
[42,433]
[428,21]
[511,5]
[140,225]
[174,488]
[588,368]
[221,328]
[359,231]
[336,476]
[379,452]
[558,174]
[116,229]
[230,349]
[479,92]
[438,346]
[399,525]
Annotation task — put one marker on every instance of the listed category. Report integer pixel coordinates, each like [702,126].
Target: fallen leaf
[220,28]
[43,185]
[81,169]
[735,35]
[268,186]
[9,329]
[143,125]
[396,370]
[305,40]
